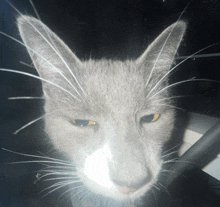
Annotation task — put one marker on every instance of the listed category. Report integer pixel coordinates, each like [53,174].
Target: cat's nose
[127,188]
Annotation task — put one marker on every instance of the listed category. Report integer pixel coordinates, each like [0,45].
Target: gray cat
[111,119]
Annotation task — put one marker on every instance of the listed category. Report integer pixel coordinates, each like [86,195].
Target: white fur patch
[96,167]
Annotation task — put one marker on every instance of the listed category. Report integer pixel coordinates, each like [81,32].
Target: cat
[110,118]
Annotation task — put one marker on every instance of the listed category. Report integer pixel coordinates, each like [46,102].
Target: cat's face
[111,119]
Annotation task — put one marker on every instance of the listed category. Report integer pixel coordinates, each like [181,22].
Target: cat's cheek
[66,138]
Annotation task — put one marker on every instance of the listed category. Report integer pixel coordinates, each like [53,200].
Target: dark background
[114,29]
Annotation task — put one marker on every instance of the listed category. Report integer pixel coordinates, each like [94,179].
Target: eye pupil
[149,118]
[81,122]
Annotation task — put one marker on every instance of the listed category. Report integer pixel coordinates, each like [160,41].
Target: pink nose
[126,190]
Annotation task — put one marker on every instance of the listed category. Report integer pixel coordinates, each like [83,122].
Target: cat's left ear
[160,54]
[52,58]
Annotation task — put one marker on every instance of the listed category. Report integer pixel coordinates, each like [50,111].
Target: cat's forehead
[114,82]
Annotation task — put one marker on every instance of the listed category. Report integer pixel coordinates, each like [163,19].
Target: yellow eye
[150,118]
[81,122]
[156,116]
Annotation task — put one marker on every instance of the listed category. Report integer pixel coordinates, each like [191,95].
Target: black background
[114,29]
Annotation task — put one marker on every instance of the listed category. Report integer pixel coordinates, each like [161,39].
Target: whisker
[164,46]
[58,167]
[60,178]
[179,161]
[81,186]
[42,157]
[173,97]
[164,188]
[172,171]
[180,82]
[79,191]
[200,56]
[60,183]
[66,173]
[154,194]
[49,174]
[85,197]
[61,186]
[188,57]
[170,106]
[169,154]
[172,148]
[37,77]
[35,11]
[58,173]
[26,64]
[32,122]
[36,161]
[59,55]
[156,187]
[24,97]
[42,59]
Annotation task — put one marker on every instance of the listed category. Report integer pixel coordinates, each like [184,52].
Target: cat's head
[110,118]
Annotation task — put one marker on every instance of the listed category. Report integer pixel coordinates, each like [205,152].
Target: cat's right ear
[52,58]
[159,56]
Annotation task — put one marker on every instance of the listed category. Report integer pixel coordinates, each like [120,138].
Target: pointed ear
[159,56]
[52,58]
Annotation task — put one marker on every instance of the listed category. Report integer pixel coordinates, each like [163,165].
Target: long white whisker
[172,160]
[61,58]
[45,61]
[32,122]
[58,167]
[42,59]
[42,157]
[176,160]
[64,172]
[170,106]
[156,187]
[164,46]
[59,172]
[54,173]
[60,178]
[200,56]
[158,83]
[58,188]
[37,161]
[168,98]
[54,47]
[180,82]
[46,175]
[24,97]
[37,77]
